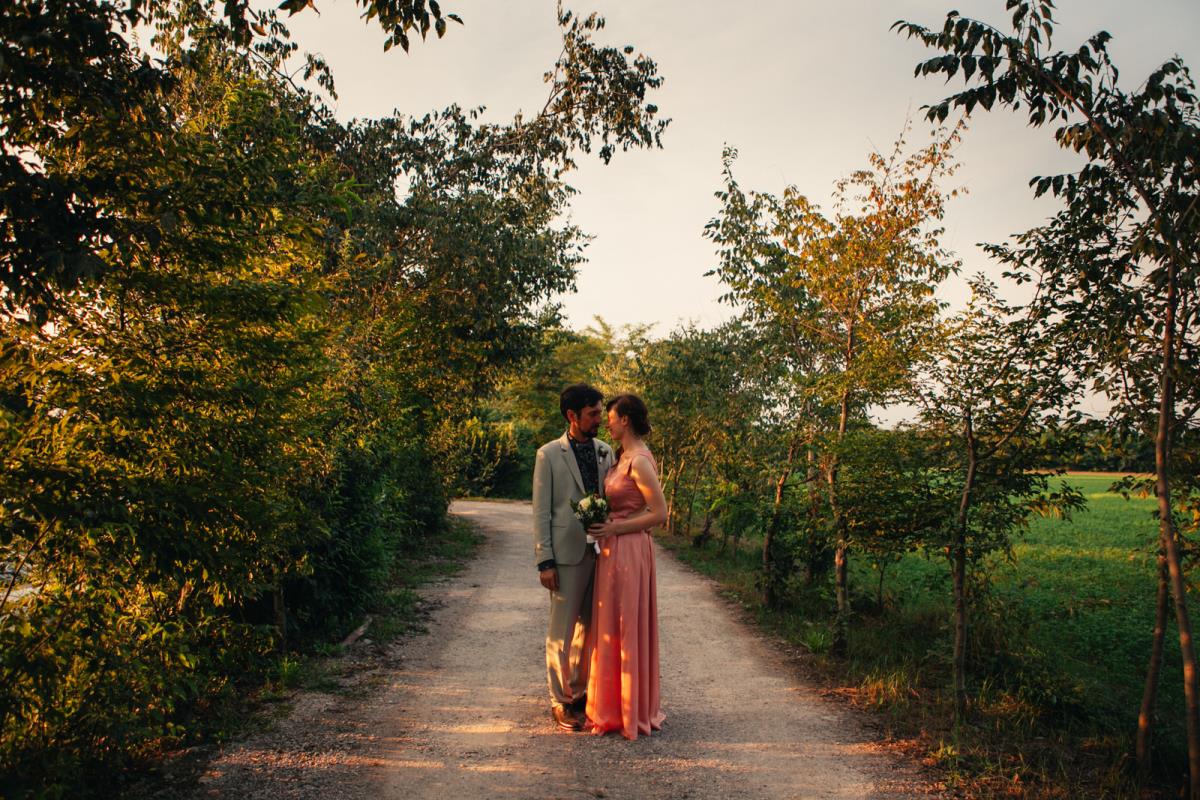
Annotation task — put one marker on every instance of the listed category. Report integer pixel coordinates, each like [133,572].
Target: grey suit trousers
[570,615]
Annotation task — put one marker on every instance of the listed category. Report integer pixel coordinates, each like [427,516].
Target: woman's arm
[646,478]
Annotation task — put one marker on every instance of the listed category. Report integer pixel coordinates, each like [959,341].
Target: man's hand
[549,578]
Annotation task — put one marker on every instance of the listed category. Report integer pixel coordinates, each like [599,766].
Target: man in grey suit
[568,469]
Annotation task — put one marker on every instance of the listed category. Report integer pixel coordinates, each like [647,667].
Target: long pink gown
[623,680]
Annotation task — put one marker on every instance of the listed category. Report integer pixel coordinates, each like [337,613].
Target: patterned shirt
[585,456]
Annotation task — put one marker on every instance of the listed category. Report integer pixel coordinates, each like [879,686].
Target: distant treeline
[1095,445]
[495,459]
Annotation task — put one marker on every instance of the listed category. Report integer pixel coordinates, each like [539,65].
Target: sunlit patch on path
[463,710]
[472,700]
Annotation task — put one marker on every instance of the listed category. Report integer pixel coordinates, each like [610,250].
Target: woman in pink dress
[622,693]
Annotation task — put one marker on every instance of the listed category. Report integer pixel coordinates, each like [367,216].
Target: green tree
[529,395]
[221,440]
[850,295]
[706,393]
[159,438]
[1120,259]
[989,389]
[891,485]
[622,368]
[69,64]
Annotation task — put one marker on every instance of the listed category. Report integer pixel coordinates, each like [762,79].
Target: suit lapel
[603,464]
[569,456]
[601,459]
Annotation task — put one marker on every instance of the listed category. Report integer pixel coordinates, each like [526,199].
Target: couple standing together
[602,641]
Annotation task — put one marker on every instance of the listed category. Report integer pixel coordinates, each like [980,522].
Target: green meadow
[1089,587]
[1060,638]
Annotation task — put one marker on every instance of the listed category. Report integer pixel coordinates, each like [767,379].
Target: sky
[804,90]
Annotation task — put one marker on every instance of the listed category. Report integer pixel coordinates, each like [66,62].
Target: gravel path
[463,711]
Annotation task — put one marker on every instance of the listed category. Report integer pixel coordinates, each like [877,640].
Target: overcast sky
[804,90]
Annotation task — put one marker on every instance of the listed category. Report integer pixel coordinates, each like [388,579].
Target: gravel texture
[463,711]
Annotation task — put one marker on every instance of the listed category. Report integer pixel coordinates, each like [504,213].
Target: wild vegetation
[249,351]
[236,361]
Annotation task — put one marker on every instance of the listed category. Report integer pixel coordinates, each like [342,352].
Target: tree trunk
[280,616]
[814,511]
[702,538]
[769,595]
[958,562]
[879,587]
[671,499]
[842,623]
[691,507]
[811,474]
[1145,727]
[1170,545]
[841,554]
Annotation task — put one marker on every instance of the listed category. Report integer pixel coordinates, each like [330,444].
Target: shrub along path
[462,712]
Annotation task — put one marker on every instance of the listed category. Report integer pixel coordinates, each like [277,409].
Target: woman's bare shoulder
[642,460]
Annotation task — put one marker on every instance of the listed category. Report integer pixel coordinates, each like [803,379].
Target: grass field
[1060,650]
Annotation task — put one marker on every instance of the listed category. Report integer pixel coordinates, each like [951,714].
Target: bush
[384,499]
[479,457]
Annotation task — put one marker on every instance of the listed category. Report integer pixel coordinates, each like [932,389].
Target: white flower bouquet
[591,510]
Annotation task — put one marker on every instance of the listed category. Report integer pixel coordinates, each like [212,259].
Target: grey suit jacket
[557,533]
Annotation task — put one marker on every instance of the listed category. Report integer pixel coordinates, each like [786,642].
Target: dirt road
[463,711]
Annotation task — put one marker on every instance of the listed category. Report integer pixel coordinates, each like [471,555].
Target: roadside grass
[397,612]
[443,556]
[1059,643]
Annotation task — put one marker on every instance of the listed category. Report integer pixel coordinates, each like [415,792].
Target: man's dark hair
[577,397]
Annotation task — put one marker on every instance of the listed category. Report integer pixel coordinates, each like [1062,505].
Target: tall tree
[1120,260]
[161,438]
[988,390]
[707,395]
[528,395]
[849,295]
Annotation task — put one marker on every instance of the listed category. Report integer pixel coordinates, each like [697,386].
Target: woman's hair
[631,406]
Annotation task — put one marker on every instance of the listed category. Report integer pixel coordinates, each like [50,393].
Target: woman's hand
[602,529]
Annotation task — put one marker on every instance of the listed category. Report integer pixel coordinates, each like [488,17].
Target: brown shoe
[567,719]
